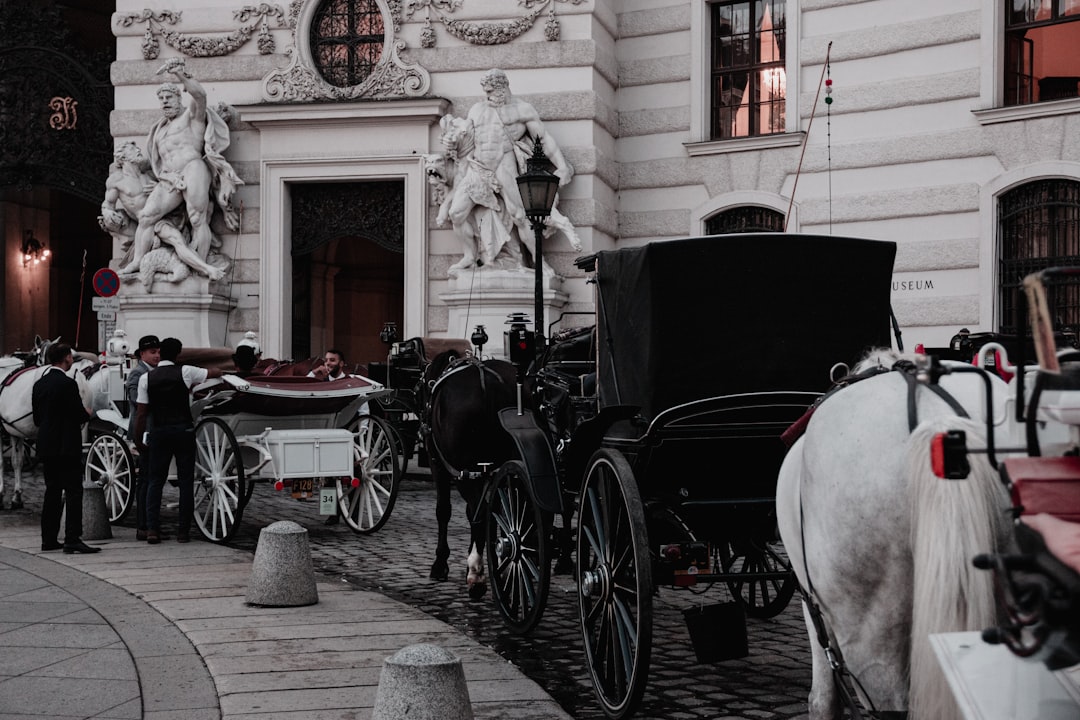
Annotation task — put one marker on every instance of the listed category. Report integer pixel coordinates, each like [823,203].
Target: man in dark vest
[164,397]
[149,354]
[59,414]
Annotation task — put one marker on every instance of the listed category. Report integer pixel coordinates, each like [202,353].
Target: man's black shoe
[46,546]
[79,547]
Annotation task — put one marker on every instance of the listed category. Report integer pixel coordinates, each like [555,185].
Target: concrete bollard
[282,574]
[95,513]
[422,682]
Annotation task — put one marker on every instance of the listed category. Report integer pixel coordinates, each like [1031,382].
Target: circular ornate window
[347,38]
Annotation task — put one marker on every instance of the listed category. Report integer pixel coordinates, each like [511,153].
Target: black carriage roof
[683,320]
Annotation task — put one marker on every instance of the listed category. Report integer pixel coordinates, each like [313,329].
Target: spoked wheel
[516,543]
[220,488]
[365,501]
[109,463]
[614,578]
[760,597]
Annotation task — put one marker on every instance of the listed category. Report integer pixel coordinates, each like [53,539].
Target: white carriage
[312,438]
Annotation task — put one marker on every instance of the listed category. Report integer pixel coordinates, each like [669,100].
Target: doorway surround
[339,142]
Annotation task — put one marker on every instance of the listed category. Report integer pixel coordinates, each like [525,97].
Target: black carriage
[662,427]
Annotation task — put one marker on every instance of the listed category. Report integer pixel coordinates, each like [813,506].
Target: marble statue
[475,179]
[170,194]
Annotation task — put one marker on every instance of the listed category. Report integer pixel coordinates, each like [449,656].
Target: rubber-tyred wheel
[220,486]
[109,463]
[366,504]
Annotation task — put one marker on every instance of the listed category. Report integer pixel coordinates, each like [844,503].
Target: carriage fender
[537,456]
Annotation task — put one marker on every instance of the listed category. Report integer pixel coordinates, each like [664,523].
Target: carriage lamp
[388,334]
[33,252]
[538,186]
[479,338]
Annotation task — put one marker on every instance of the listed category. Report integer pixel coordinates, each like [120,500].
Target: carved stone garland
[483,33]
[196,46]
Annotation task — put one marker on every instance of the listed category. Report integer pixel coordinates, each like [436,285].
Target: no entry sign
[106,282]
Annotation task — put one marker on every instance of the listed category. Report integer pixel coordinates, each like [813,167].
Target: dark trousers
[166,443]
[142,485]
[63,490]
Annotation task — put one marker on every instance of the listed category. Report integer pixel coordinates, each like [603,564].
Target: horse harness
[841,674]
[457,365]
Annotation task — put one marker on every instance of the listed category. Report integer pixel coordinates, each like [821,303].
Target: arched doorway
[348,267]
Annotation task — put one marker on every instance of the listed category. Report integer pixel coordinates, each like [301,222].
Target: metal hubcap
[507,547]
[596,582]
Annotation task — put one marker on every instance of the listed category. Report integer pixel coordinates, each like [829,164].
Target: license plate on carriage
[303,488]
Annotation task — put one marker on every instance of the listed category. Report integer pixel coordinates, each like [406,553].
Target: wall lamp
[33,252]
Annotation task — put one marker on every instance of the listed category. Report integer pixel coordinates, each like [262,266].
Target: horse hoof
[440,574]
[477,591]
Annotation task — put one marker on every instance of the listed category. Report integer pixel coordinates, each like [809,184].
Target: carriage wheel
[220,488]
[366,505]
[517,549]
[109,464]
[760,598]
[614,579]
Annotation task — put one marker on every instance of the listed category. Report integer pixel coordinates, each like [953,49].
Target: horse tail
[951,522]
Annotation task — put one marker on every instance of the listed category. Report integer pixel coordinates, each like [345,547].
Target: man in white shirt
[165,397]
[333,367]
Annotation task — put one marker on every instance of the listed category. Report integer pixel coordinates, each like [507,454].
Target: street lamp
[538,186]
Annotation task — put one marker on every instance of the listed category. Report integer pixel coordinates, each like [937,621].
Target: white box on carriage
[310,453]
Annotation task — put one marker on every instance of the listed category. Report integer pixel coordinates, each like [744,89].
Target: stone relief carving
[483,33]
[159,203]
[196,46]
[393,77]
[474,181]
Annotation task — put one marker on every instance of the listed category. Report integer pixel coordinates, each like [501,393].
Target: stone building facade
[947,127]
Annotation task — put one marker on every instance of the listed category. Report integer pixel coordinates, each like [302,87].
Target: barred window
[347,40]
[1041,60]
[748,81]
[745,219]
[1039,227]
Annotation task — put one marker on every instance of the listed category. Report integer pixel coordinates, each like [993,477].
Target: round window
[347,40]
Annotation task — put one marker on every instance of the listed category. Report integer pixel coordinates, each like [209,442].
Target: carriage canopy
[682,320]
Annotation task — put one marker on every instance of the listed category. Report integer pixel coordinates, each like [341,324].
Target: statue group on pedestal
[159,204]
[475,179]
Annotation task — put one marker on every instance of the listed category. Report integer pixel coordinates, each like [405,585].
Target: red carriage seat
[1045,485]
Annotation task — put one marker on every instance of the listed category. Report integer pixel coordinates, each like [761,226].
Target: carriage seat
[1045,485]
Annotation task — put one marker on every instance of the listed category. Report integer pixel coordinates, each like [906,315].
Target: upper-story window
[347,38]
[1042,61]
[748,82]
[1039,227]
[745,219]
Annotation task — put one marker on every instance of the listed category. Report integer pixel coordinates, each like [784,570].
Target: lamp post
[538,186]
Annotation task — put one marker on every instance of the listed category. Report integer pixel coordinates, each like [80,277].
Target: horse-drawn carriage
[662,427]
[313,438]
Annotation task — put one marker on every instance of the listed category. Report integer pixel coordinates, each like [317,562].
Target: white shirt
[192,376]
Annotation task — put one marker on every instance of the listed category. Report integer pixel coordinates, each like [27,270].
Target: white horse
[884,546]
[17,415]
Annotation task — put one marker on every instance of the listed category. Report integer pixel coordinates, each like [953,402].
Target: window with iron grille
[748,82]
[347,40]
[1039,227]
[745,219]
[1041,58]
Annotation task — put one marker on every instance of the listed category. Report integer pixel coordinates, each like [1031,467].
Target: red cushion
[1046,485]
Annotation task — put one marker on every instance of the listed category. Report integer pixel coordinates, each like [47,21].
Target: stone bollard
[422,682]
[95,513]
[282,574]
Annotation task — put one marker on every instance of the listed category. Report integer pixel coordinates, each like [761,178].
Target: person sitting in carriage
[245,359]
[333,367]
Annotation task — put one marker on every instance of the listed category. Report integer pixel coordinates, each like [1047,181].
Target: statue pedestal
[185,310]
[486,297]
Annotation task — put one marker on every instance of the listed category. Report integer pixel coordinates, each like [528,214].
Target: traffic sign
[106,315]
[105,303]
[106,282]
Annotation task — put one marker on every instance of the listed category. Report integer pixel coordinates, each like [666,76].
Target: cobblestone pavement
[772,682]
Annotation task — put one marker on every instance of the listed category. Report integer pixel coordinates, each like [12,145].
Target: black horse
[463,436]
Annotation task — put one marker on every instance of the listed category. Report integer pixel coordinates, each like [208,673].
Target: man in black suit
[59,414]
[149,354]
